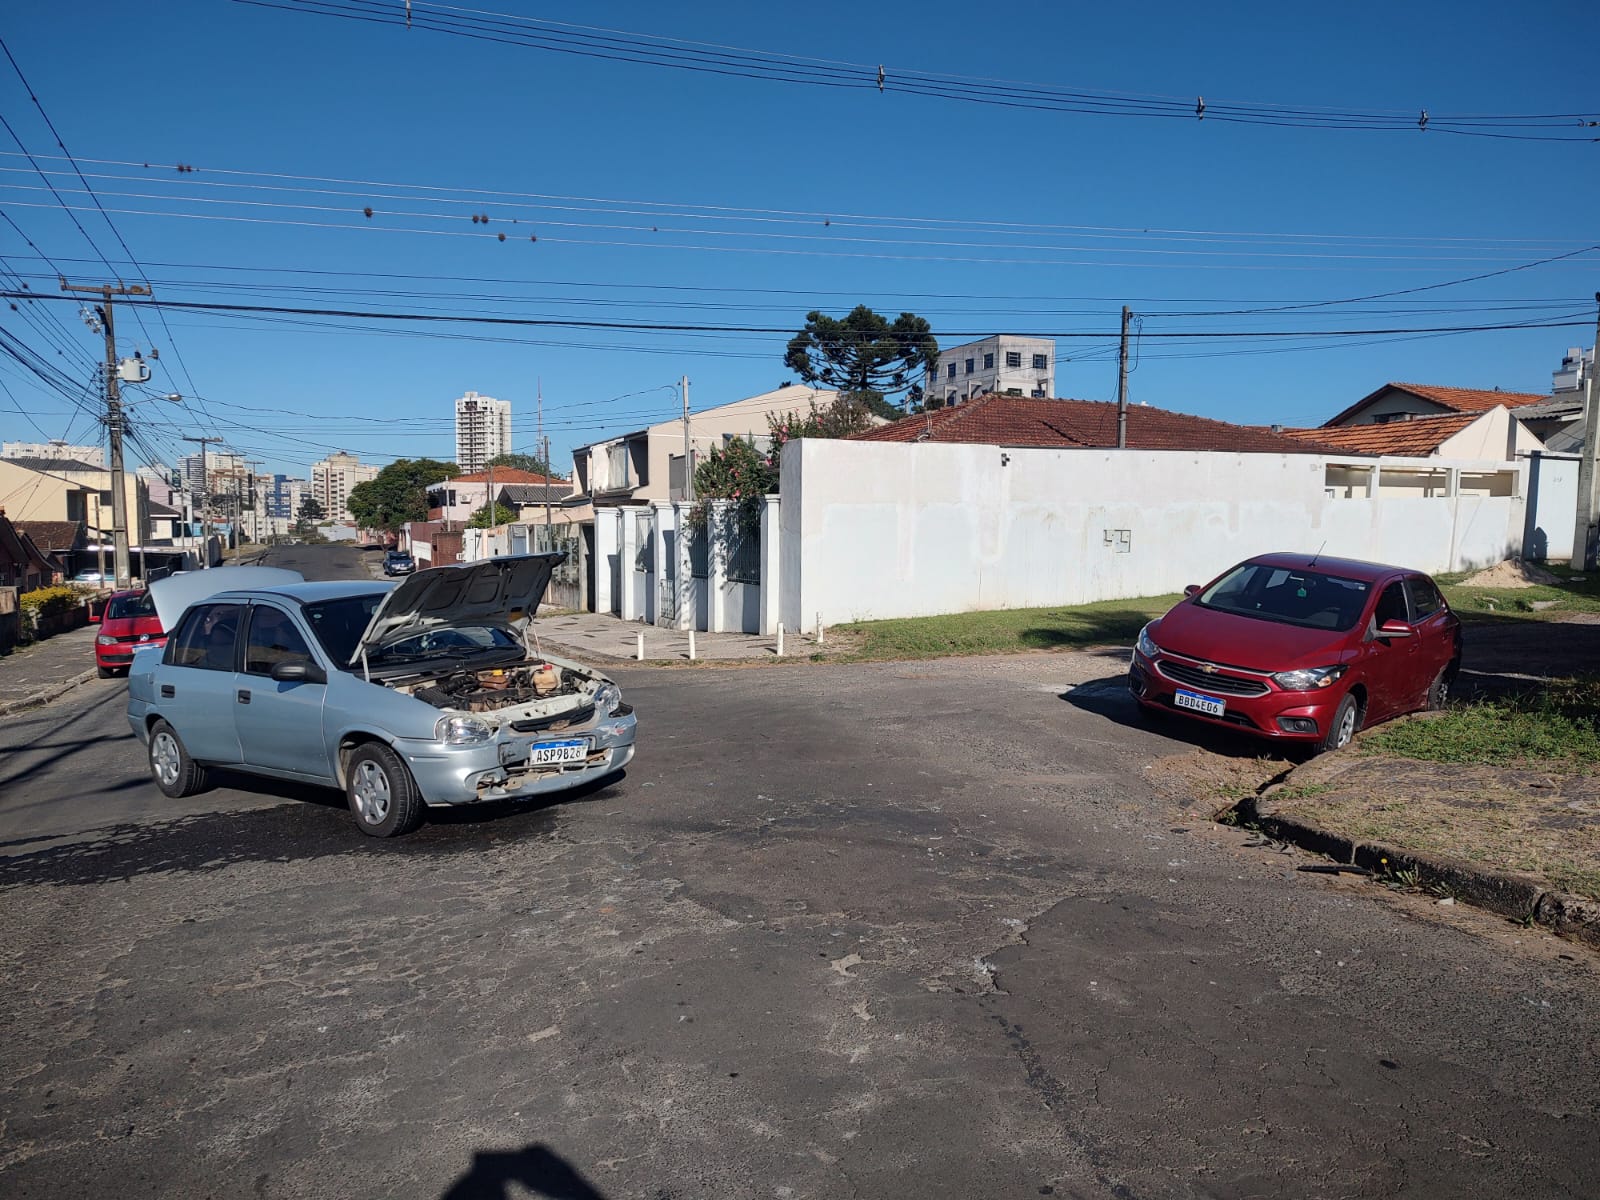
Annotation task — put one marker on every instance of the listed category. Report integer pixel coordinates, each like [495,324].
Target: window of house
[969,365]
[1038,393]
[952,371]
[950,399]
[1013,391]
[1013,358]
[988,362]
[1041,362]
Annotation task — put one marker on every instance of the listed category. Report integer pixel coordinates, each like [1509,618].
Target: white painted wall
[871,530]
[1552,517]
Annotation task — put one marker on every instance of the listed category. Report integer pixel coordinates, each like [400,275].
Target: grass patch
[1559,600]
[1008,631]
[1559,724]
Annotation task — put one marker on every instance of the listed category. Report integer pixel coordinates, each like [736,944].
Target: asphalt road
[875,931]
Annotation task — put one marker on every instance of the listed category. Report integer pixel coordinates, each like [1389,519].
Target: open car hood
[490,591]
[177,592]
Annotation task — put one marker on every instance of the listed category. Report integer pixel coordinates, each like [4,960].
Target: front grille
[1227,685]
[578,716]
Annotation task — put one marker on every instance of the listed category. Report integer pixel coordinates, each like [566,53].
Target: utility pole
[204,499]
[1586,534]
[255,512]
[547,517]
[1122,383]
[119,497]
[688,453]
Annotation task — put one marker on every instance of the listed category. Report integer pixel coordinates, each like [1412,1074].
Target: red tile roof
[1079,424]
[1416,438]
[1451,399]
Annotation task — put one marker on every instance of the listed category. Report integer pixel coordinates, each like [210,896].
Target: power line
[772,67]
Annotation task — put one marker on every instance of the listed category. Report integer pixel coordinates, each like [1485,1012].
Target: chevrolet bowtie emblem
[1208,668]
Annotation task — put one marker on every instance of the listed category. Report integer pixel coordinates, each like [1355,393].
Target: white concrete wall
[872,530]
[1552,517]
[1496,434]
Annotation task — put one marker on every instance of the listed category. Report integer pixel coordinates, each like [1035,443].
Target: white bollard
[780,639]
[820,638]
[641,648]
[691,645]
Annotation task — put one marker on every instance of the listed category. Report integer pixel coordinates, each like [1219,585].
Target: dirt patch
[1524,819]
[1512,573]
[1218,781]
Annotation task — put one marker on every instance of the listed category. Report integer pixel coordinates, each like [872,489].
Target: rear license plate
[550,754]
[1209,705]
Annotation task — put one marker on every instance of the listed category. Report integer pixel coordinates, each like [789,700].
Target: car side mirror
[1191,591]
[299,672]
[1394,629]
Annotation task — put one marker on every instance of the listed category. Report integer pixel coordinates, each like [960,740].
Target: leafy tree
[521,462]
[398,494]
[865,356]
[308,515]
[503,515]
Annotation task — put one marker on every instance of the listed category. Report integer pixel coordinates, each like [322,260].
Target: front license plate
[550,754]
[1209,705]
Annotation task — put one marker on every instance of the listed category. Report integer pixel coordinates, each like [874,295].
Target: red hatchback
[130,621]
[1300,648]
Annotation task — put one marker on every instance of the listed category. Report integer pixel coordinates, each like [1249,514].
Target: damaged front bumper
[502,768]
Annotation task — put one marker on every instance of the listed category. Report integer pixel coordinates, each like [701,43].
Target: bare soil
[1512,573]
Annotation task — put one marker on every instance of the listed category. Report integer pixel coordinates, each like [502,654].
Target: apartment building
[483,430]
[333,479]
[1006,364]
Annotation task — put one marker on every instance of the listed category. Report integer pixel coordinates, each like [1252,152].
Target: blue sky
[673,197]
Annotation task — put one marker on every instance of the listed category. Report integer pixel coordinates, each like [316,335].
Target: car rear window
[1292,597]
[125,607]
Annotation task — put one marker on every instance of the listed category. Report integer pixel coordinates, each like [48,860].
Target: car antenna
[1318,554]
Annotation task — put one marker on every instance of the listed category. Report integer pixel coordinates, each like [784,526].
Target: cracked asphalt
[879,931]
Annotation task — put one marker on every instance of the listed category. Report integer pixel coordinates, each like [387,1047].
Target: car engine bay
[489,690]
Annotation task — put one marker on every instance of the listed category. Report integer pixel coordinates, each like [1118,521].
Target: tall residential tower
[483,430]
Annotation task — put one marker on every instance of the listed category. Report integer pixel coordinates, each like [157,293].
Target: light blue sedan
[431,692]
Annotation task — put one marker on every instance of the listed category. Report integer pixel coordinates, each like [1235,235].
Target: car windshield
[127,607]
[450,641]
[340,623]
[1288,596]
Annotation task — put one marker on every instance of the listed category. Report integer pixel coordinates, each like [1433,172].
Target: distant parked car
[90,576]
[1301,648]
[423,693]
[128,622]
[398,562]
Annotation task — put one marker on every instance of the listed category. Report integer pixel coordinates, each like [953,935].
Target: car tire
[382,794]
[175,773]
[104,672]
[1342,729]
[1443,684]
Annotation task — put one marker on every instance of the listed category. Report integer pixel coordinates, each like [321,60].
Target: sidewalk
[602,636]
[37,674]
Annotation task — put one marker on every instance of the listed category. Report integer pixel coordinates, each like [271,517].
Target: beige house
[67,489]
[648,464]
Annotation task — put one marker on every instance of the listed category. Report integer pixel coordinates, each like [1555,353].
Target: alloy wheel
[165,758]
[371,790]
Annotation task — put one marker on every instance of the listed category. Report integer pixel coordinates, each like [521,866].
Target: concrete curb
[49,694]
[1517,897]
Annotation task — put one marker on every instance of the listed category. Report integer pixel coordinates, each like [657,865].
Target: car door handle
[244,695]
[168,691]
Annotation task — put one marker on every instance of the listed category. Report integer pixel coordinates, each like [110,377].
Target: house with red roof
[1492,434]
[1401,401]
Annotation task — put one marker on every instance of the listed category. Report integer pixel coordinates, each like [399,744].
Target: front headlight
[1146,644]
[462,731]
[103,640]
[1309,680]
[607,699]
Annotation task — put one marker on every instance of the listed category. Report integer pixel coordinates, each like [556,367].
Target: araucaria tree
[865,357]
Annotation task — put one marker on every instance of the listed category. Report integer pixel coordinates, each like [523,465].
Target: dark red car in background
[1301,648]
[129,621]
